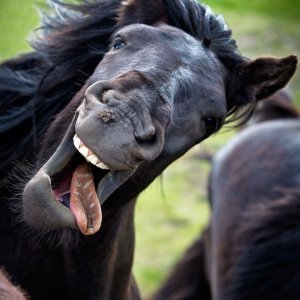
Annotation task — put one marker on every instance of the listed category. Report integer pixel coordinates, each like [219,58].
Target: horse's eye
[119,44]
[211,124]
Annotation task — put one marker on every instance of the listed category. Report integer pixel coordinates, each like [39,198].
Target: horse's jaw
[68,190]
[98,158]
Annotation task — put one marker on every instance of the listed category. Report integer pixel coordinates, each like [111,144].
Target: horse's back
[255,187]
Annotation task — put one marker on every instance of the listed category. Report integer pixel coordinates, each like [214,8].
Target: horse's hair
[71,42]
[265,259]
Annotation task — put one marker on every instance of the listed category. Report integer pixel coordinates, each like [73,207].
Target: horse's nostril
[102,97]
[98,92]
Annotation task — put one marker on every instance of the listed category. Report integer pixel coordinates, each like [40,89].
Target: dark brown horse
[122,89]
[250,249]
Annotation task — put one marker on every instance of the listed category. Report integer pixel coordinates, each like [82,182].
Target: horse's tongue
[84,202]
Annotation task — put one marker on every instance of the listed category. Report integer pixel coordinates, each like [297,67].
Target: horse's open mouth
[70,188]
[75,187]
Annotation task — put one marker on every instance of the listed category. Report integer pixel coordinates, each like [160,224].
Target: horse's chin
[71,187]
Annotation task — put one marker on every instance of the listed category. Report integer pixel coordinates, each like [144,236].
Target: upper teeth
[88,153]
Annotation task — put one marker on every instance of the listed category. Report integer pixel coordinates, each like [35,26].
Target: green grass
[279,9]
[167,224]
[17,19]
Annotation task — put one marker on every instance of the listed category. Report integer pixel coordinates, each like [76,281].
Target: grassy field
[173,210]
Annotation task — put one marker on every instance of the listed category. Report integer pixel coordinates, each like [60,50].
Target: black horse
[113,93]
[250,249]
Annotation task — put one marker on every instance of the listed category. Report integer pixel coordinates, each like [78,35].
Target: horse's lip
[40,208]
[111,182]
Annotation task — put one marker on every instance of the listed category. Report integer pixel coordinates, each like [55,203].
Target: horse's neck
[101,264]
[93,267]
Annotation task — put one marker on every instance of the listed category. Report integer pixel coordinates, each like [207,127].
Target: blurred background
[174,210]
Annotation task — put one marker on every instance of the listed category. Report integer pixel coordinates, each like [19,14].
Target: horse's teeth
[84,151]
[93,159]
[96,162]
[88,154]
[101,165]
[76,141]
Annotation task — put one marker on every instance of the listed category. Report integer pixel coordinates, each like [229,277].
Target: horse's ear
[140,11]
[258,79]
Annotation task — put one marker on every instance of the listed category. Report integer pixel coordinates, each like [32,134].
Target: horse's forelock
[145,12]
[196,19]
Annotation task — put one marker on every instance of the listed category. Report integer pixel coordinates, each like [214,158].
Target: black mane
[265,264]
[72,40]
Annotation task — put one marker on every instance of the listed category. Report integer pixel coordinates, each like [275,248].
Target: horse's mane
[265,261]
[67,47]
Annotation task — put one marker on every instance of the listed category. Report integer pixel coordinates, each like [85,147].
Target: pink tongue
[84,202]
